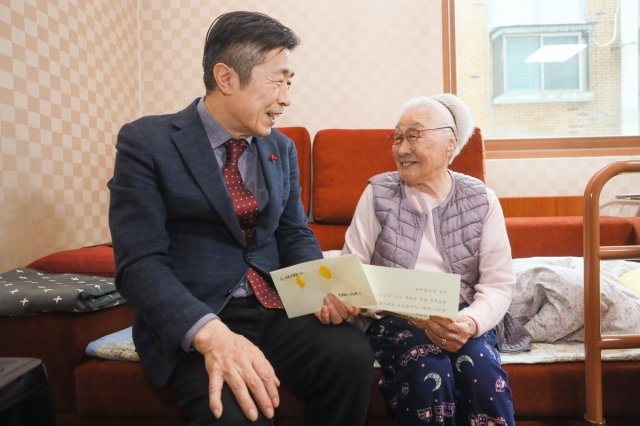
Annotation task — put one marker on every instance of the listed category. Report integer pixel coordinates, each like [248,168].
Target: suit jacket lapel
[272,171]
[193,143]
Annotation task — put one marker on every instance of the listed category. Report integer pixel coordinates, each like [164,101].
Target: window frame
[583,64]
[507,148]
[502,95]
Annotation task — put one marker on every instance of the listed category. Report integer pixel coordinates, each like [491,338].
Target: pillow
[97,260]
[27,291]
[632,280]
[116,346]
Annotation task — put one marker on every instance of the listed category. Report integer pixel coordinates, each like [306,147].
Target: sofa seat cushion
[557,390]
[117,388]
[114,388]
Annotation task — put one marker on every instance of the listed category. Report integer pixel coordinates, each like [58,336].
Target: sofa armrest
[59,340]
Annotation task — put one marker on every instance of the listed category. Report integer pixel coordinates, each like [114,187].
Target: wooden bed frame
[594,341]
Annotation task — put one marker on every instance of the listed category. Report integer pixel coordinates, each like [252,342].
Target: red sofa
[91,391]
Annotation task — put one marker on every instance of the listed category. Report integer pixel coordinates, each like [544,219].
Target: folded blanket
[545,353]
[549,298]
[116,346]
[28,291]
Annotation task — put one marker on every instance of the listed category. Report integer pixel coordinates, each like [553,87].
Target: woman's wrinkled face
[426,159]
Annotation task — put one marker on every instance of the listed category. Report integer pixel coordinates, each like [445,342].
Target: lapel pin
[273,158]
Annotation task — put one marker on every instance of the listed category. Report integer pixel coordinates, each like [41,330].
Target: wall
[73,72]
[69,78]
[562,177]
[359,59]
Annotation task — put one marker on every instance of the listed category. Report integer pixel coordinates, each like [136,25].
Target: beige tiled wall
[359,59]
[563,177]
[69,78]
[72,72]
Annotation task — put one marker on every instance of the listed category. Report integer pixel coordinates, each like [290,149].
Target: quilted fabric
[549,298]
[29,291]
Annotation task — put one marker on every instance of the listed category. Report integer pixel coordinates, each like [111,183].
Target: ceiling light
[555,52]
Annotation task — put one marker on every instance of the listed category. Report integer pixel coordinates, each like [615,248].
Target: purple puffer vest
[458,223]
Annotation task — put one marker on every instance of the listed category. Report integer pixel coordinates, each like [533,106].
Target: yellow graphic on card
[324,272]
[303,287]
[300,281]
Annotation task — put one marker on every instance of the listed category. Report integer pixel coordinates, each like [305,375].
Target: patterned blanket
[549,298]
[29,291]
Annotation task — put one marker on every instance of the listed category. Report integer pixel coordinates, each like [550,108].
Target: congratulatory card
[302,288]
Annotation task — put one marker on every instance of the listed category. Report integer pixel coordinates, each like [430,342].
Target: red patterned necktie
[246,208]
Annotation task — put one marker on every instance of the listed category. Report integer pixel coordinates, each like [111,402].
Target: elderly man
[204,204]
[428,218]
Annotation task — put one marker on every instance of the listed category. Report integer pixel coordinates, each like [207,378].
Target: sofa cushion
[108,388]
[302,140]
[562,235]
[116,388]
[330,237]
[559,389]
[343,161]
[113,388]
[471,159]
[97,260]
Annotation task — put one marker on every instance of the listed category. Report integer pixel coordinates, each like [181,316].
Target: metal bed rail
[594,341]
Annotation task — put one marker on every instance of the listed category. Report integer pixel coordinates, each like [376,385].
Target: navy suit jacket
[178,245]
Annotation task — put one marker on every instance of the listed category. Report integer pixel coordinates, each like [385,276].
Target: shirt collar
[216,133]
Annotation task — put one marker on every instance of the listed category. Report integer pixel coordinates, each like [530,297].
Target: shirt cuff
[186,341]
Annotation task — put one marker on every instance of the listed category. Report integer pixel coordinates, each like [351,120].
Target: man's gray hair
[462,120]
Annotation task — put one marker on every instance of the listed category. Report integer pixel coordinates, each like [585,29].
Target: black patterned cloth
[26,291]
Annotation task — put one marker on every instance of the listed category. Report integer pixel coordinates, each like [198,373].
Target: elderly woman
[429,218]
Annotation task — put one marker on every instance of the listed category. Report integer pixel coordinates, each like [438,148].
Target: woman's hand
[450,335]
[333,311]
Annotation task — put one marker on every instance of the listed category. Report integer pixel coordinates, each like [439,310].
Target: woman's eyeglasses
[412,135]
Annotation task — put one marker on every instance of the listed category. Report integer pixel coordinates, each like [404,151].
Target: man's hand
[333,311]
[231,358]
[450,335]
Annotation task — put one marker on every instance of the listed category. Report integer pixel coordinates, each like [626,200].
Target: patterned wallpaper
[359,60]
[69,79]
[73,72]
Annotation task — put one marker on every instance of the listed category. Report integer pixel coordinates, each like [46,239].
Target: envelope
[303,287]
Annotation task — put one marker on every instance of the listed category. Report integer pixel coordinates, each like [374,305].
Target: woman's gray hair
[458,110]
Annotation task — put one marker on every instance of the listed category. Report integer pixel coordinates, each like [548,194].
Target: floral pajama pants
[424,384]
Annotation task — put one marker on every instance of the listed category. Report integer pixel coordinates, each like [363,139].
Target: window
[526,75]
[548,68]
[540,64]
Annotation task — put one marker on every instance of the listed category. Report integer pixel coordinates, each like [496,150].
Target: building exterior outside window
[547,68]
